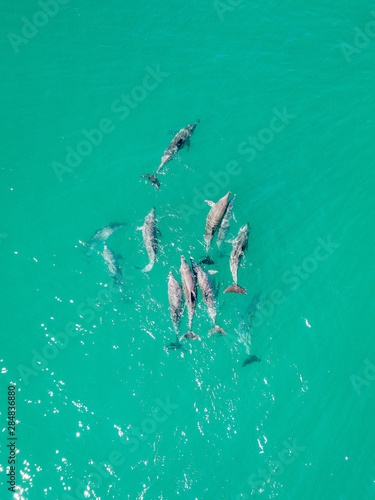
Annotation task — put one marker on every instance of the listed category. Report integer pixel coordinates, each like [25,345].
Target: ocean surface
[91,95]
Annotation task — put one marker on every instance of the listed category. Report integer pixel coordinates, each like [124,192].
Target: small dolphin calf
[178,142]
[212,222]
[101,236]
[225,222]
[238,250]
[190,293]
[149,233]
[176,308]
[208,294]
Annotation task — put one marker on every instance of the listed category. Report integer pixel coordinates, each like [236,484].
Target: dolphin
[176,308]
[149,233]
[178,142]
[244,330]
[101,236]
[238,249]
[225,222]
[208,294]
[212,222]
[114,268]
[190,292]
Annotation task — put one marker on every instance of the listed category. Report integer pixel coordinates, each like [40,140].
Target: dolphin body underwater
[213,220]
[178,142]
[176,308]
[101,236]
[190,292]
[208,294]
[238,250]
[245,330]
[150,240]
[225,223]
[112,262]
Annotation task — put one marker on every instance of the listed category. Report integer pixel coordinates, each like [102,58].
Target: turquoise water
[103,408]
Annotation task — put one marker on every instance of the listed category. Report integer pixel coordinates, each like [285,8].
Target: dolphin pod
[217,224]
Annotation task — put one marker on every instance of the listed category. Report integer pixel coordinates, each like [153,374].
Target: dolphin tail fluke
[190,336]
[235,289]
[153,179]
[251,359]
[148,268]
[176,345]
[217,329]
[207,260]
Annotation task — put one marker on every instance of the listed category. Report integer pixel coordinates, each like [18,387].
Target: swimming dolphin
[225,222]
[238,249]
[208,294]
[245,329]
[176,308]
[190,292]
[212,222]
[178,142]
[101,236]
[114,268]
[149,233]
